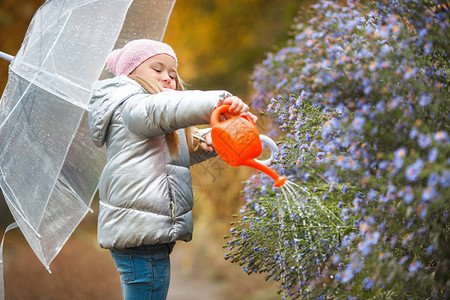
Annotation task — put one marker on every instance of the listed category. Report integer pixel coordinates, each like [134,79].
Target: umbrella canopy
[49,168]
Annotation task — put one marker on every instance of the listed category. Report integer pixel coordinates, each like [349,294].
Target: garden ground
[84,271]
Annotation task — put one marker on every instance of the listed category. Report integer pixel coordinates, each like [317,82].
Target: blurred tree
[220,41]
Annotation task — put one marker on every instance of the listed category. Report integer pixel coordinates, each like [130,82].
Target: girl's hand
[237,108]
[208,145]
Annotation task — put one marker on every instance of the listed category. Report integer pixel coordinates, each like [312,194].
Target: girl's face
[161,68]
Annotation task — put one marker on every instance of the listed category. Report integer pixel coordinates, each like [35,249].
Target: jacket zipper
[172,203]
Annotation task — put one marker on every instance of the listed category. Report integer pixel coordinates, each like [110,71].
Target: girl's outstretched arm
[150,115]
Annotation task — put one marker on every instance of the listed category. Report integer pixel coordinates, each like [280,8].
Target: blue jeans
[144,271]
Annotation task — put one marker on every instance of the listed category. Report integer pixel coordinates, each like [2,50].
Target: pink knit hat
[125,60]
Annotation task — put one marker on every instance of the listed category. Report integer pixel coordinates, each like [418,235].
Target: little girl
[146,199]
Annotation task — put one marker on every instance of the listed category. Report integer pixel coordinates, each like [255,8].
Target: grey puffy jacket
[145,195]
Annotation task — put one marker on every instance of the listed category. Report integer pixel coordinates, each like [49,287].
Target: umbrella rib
[61,179]
[50,50]
[57,77]
[15,107]
[61,15]
[167,21]
[23,110]
[33,82]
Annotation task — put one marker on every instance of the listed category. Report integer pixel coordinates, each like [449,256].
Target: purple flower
[335,259]
[413,170]
[320,156]
[410,72]
[382,226]
[394,103]
[408,194]
[347,240]
[424,141]
[427,48]
[403,259]
[399,154]
[364,248]
[358,123]
[344,188]
[326,130]
[445,179]
[433,154]
[380,106]
[433,179]
[424,100]
[413,133]
[429,193]
[348,273]
[304,94]
[421,210]
[414,266]
[373,238]
[407,238]
[383,165]
[441,136]
[367,283]
[374,130]
[307,176]
[393,241]
[385,49]
[335,123]
[371,195]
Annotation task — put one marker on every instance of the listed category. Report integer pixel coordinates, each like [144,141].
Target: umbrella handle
[6,56]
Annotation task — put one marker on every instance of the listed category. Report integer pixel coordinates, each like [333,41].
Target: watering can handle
[221,109]
[273,147]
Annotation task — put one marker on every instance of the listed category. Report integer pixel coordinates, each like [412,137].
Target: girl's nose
[166,78]
[166,81]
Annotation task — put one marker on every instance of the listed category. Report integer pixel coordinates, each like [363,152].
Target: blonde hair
[172,138]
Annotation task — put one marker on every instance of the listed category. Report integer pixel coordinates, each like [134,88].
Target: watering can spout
[238,143]
[279,180]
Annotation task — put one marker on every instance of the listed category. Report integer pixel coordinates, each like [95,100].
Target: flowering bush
[361,94]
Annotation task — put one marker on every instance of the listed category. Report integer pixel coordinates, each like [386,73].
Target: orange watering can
[238,142]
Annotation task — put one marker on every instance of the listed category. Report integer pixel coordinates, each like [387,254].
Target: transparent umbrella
[49,168]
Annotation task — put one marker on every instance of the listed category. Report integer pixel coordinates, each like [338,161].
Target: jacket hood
[106,96]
